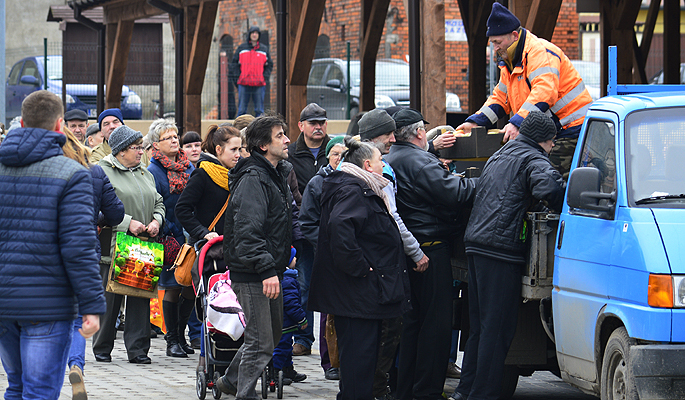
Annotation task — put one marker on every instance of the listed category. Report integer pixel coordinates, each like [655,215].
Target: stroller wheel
[201,385]
[265,383]
[216,392]
[279,385]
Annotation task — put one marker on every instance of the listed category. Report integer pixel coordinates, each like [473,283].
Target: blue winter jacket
[172,226]
[293,313]
[105,201]
[48,267]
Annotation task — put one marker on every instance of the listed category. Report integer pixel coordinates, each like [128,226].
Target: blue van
[28,75]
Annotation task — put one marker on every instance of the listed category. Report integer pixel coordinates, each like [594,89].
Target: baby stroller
[219,347]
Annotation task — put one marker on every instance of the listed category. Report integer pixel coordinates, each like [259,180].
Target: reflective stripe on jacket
[543,79]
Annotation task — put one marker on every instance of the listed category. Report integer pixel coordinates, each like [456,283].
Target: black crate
[480,144]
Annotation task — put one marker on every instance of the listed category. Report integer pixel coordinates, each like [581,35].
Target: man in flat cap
[430,201]
[535,75]
[77,122]
[307,155]
[516,177]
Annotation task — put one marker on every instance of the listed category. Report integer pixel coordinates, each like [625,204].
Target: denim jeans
[34,355]
[264,321]
[77,350]
[305,262]
[257,95]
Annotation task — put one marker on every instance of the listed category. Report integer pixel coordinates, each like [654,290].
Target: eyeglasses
[136,148]
[172,137]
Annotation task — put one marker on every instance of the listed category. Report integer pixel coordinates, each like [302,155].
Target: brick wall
[340,23]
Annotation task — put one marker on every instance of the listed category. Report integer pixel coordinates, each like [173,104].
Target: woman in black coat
[359,273]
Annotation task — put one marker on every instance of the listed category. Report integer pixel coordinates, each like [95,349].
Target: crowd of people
[359,228]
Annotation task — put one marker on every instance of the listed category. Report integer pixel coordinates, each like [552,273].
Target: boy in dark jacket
[294,318]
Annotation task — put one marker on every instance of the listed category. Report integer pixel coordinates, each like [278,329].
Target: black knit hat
[122,137]
[375,123]
[501,21]
[538,127]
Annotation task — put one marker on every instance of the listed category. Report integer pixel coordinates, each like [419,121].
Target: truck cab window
[599,152]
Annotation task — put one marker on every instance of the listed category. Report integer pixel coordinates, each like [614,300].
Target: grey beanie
[375,123]
[538,127]
[122,137]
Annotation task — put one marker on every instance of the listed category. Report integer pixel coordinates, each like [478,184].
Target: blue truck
[28,75]
[603,294]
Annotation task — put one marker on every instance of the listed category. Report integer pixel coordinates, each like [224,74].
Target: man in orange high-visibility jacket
[535,75]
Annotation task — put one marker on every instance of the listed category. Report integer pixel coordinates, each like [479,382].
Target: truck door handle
[321,96]
[561,234]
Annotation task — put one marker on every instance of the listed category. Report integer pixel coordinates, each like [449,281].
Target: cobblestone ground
[174,378]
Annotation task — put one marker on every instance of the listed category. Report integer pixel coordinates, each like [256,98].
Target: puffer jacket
[48,268]
[310,214]
[513,179]
[106,201]
[252,65]
[293,313]
[172,226]
[429,198]
[135,187]
[542,79]
[303,161]
[258,230]
[359,268]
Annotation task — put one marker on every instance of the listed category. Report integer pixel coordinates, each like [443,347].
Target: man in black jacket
[429,200]
[308,155]
[257,237]
[513,180]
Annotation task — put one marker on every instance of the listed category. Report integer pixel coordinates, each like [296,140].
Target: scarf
[175,170]
[376,182]
[218,173]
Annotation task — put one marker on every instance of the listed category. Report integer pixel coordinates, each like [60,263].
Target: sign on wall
[454,30]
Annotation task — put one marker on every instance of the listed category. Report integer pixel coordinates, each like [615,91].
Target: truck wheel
[617,376]
[509,381]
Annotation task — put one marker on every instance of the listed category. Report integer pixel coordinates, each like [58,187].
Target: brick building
[340,23]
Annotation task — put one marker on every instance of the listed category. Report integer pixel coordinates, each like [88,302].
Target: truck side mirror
[29,80]
[334,84]
[584,191]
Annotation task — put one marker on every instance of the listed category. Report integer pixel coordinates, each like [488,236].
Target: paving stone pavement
[174,378]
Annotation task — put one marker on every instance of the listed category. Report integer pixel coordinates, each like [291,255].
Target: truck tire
[510,380]
[617,376]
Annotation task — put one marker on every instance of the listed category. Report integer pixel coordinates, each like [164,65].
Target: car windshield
[588,70]
[388,74]
[54,67]
[655,161]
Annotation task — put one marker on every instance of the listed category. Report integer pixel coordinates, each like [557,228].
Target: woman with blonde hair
[106,202]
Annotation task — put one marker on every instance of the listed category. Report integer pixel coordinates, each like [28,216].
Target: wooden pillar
[118,45]
[672,41]
[475,14]
[538,16]
[433,61]
[373,21]
[617,22]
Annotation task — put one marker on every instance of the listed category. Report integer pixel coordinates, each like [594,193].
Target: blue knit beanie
[110,111]
[501,21]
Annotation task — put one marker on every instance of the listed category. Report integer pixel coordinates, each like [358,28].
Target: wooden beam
[475,15]
[648,31]
[617,21]
[137,9]
[542,17]
[373,22]
[671,41]
[118,46]
[433,61]
[200,47]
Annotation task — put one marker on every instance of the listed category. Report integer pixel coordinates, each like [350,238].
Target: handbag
[187,255]
[135,268]
[332,341]
[171,248]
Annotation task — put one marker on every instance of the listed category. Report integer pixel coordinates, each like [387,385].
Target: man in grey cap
[307,155]
[93,136]
[429,200]
[378,128]
[516,176]
[77,122]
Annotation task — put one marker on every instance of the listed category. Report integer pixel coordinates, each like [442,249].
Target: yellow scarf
[218,173]
[511,52]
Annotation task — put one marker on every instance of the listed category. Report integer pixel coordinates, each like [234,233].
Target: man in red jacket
[252,65]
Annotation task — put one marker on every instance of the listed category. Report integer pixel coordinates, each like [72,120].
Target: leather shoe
[103,357]
[457,396]
[332,374]
[175,350]
[141,359]
[225,386]
[300,350]
[453,371]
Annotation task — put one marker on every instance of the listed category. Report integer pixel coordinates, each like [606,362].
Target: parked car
[590,71]
[327,86]
[28,75]
[659,77]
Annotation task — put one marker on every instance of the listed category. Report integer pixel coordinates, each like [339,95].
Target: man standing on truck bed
[513,179]
[535,75]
